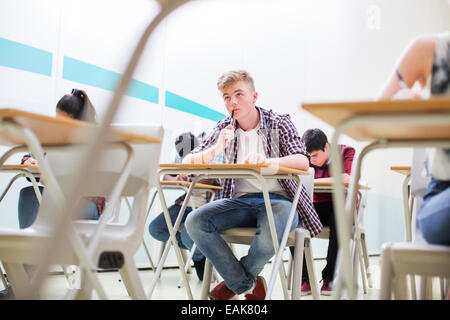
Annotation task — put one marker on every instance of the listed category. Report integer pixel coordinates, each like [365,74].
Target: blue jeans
[205,223]
[29,207]
[433,218]
[158,230]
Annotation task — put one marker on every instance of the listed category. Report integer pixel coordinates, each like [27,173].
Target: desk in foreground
[337,113]
[59,130]
[407,123]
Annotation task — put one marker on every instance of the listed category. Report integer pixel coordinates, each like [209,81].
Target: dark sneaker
[327,289]
[259,293]
[221,292]
[306,288]
[7,294]
[200,268]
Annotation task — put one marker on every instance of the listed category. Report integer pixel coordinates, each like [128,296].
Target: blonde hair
[231,77]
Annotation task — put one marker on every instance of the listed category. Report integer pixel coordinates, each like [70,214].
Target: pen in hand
[232,117]
[401,82]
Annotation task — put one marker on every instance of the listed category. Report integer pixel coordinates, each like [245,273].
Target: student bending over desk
[77,106]
[250,135]
[427,61]
[319,151]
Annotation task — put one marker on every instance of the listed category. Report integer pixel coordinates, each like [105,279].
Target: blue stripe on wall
[180,103]
[23,57]
[20,56]
[79,71]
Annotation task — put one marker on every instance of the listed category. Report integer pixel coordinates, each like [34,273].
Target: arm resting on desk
[293,161]
[345,179]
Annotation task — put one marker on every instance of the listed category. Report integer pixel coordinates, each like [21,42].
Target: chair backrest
[419,179]
[308,182]
[142,173]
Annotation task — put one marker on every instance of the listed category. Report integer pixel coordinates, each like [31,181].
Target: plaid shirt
[280,138]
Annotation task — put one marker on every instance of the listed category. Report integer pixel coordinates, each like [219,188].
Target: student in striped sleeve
[250,135]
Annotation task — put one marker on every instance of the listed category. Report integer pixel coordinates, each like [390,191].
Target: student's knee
[192,222]
[157,231]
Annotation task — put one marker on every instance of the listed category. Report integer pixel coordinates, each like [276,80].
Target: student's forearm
[294,161]
[345,179]
[204,156]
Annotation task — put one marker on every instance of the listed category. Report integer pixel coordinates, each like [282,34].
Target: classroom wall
[297,51]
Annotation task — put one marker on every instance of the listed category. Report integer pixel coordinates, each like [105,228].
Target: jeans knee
[191,223]
[157,232]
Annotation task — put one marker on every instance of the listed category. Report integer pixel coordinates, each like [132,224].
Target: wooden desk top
[326,184]
[271,169]
[20,166]
[405,170]
[187,184]
[336,113]
[59,130]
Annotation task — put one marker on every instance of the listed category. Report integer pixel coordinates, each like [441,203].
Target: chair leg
[311,270]
[298,264]
[187,264]
[366,260]
[147,251]
[186,261]
[290,271]
[132,280]
[386,272]
[400,287]
[361,265]
[442,288]
[206,280]
[412,281]
[4,280]
[19,280]
[86,288]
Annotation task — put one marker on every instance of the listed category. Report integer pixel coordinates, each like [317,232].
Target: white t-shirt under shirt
[250,142]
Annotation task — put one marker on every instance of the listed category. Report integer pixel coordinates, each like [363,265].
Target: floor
[167,286]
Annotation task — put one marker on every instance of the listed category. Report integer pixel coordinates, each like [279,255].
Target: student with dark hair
[184,144]
[75,105]
[319,152]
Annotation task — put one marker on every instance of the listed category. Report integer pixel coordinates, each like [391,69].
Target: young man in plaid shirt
[253,135]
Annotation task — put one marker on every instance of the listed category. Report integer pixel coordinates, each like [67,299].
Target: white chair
[109,245]
[359,247]
[417,257]
[299,238]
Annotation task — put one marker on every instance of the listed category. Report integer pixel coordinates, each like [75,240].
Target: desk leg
[278,258]
[341,218]
[406,208]
[273,233]
[173,241]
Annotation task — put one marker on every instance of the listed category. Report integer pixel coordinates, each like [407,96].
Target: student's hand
[183,177]
[225,136]
[31,162]
[255,158]
[407,94]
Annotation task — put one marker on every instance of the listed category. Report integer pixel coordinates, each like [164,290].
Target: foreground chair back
[417,257]
[123,171]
